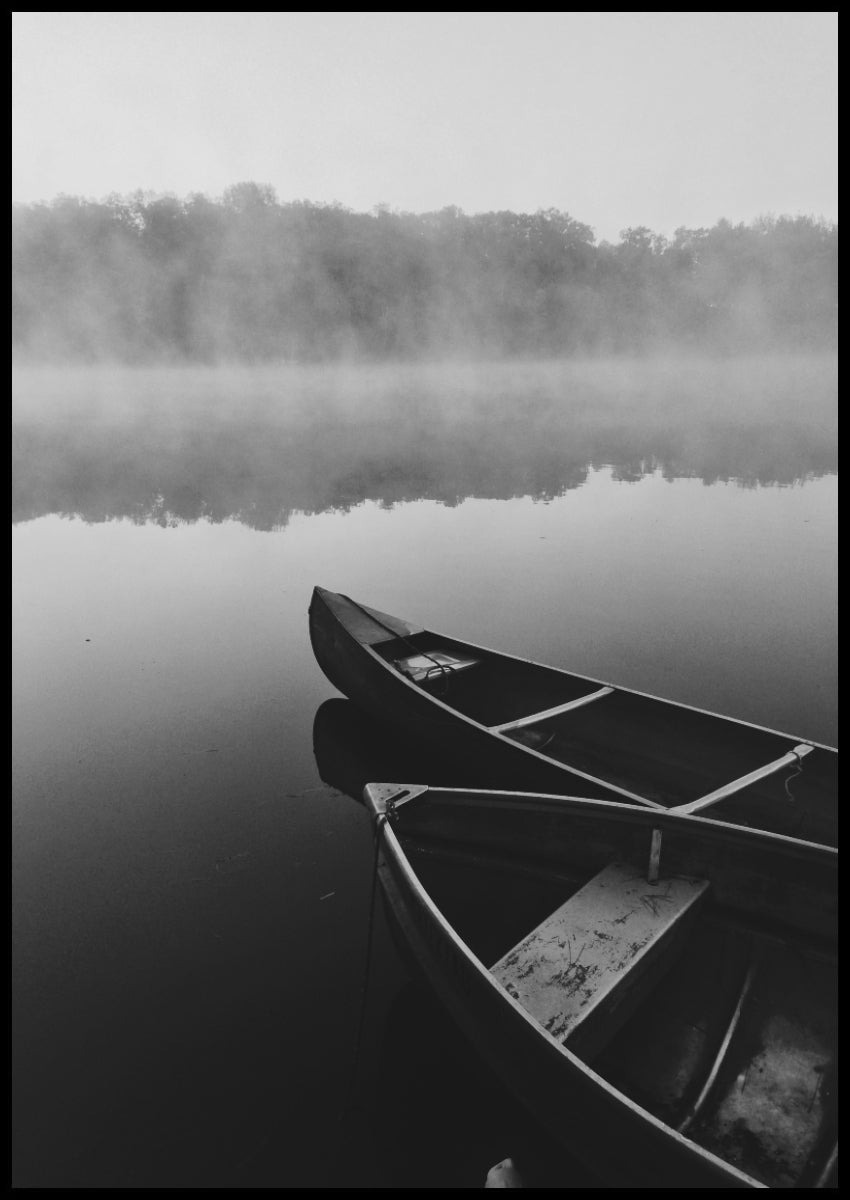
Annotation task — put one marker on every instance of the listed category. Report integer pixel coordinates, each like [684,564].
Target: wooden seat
[583,970]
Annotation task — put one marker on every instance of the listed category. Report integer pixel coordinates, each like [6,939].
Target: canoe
[658,989]
[519,724]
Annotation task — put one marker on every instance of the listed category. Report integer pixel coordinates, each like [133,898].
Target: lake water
[196,1003]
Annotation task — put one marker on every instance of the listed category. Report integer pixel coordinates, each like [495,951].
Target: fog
[240,357]
[246,278]
[257,445]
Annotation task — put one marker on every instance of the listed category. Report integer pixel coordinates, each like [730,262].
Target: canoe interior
[776,885]
[787,1030]
[736,1045]
[664,752]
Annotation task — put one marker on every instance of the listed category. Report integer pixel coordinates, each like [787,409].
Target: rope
[444,670]
[798,770]
[797,825]
[364,987]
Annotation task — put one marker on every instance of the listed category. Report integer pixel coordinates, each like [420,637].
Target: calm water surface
[192,887]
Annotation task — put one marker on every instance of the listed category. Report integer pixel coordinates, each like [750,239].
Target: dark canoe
[659,990]
[522,725]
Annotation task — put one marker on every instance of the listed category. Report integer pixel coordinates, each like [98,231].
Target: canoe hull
[614,1137]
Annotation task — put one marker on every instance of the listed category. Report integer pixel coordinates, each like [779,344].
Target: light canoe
[525,725]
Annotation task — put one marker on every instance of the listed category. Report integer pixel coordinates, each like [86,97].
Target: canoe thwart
[583,969]
[533,719]
[737,785]
[432,664]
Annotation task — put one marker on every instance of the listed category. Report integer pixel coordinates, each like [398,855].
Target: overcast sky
[657,119]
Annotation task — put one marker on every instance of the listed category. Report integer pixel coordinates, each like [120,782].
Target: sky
[618,118]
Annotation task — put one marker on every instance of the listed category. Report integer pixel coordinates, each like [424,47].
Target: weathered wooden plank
[596,954]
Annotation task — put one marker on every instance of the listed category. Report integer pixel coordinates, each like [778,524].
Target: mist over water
[258,445]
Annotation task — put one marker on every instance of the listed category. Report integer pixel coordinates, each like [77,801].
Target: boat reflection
[351,749]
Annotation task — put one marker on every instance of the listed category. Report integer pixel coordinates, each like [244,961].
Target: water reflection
[352,749]
[181,446]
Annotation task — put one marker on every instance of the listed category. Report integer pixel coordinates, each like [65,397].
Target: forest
[244,277]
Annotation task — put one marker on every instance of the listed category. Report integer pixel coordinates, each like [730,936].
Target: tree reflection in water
[183,445]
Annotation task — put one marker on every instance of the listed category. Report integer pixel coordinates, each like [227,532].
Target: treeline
[150,278]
